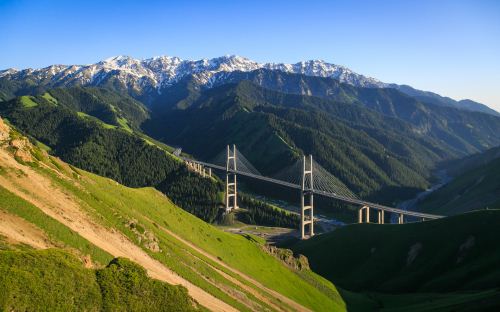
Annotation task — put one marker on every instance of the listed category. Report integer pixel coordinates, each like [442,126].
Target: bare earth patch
[19,231]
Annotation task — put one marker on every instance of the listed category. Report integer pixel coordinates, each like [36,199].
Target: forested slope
[98,135]
[475,185]
[371,153]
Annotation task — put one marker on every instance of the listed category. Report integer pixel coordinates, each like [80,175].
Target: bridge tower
[231,187]
[307,200]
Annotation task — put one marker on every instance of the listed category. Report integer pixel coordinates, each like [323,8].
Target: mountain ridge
[153,74]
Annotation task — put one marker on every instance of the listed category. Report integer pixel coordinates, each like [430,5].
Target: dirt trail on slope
[19,231]
[272,293]
[61,206]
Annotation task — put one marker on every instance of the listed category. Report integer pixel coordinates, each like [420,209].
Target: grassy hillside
[145,225]
[449,264]
[476,188]
[57,281]
[450,254]
[97,130]
[109,107]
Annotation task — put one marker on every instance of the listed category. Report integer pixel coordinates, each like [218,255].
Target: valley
[93,175]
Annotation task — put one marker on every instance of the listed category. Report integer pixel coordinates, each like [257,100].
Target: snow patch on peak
[160,71]
[8,71]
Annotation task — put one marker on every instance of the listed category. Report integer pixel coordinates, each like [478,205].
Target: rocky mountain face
[146,79]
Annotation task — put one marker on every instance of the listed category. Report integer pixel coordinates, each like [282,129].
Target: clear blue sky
[450,47]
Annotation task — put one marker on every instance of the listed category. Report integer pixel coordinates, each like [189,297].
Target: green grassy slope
[116,204]
[53,280]
[110,107]
[148,219]
[97,130]
[451,254]
[478,188]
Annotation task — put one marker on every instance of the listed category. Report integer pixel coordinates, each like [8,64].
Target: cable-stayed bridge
[305,175]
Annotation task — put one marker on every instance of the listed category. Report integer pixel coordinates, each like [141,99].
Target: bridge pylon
[231,186]
[307,199]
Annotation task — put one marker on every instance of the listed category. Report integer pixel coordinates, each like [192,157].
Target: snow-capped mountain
[144,78]
[160,71]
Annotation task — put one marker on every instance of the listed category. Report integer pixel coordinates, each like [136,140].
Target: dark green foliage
[125,286]
[478,187]
[201,196]
[371,153]
[452,254]
[53,280]
[113,153]
[258,212]
[460,166]
[460,130]
[103,104]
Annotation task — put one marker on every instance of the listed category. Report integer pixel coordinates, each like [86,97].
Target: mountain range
[87,170]
[147,78]
[379,141]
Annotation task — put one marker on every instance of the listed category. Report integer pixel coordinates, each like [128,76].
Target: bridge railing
[346,199]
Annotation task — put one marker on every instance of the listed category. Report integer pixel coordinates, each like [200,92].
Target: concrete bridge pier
[367,214]
[307,199]
[231,186]
[401,219]
[381,216]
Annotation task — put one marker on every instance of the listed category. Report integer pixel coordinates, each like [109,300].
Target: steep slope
[472,188]
[450,254]
[107,106]
[462,131]
[443,265]
[57,281]
[95,216]
[143,78]
[97,130]
[459,166]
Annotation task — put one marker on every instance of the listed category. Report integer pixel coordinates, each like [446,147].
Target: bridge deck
[322,193]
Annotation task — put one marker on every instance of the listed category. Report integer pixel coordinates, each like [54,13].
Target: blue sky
[450,47]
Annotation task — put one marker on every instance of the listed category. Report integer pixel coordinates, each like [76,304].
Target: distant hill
[431,97]
[475,185]
[459,166]
[371,152]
